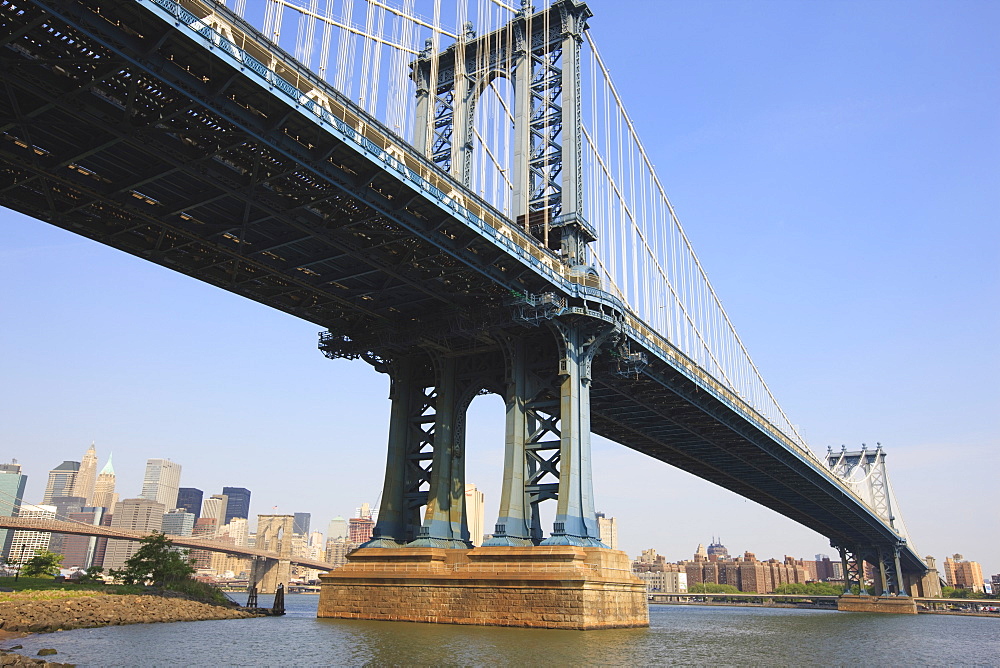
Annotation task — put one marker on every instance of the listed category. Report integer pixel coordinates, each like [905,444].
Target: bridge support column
[900,582]
[444,520]
[412,419]
[548,439]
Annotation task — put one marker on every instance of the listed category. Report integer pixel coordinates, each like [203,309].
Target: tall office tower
[86,477]
[79,551]
[12,483]
[104,488]
[190,499]
[364,510]
[607,529]
[475,513]
[337,529]
[300,524]
[316,539]
[161,482]
[215,507]
[64,506]
[138,515]
[62,479]
[239,503]
[24,544]
[178,522]
[359,529]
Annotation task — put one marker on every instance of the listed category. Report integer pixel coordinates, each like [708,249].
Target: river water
[677,635]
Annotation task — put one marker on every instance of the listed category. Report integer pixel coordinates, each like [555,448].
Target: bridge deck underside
[212,176]
[132,135]
[665,415]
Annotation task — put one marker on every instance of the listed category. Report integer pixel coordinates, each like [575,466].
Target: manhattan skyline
[834,166]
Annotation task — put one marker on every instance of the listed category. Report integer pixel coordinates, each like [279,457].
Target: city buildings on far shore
[963,574]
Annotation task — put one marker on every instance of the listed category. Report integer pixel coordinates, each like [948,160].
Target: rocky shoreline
[22,616]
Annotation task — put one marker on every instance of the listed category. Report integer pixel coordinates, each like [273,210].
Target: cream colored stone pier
[556,587]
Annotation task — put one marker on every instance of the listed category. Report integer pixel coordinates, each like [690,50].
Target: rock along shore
[61,614]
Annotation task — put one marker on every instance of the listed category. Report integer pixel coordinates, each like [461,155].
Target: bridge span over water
[210,544]
[180,133]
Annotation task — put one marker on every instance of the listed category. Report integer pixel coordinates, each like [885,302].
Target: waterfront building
[62,480]
[238,504]
[161,482]
[215,507]
[964,574]
[104,488]
[24,544]
[190,500]
[337,550]
[140,514]
[664,582]
[475,513]
[12,484]
[178,522]
[607,529]
[337,529]
[86,477]
[359,529]
[300,525]
[80,551]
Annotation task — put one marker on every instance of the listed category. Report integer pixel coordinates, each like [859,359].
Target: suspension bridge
[462,201]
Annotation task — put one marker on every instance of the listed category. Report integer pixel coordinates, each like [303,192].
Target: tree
[710,588]
[156,563]
[810,589]
[43,563]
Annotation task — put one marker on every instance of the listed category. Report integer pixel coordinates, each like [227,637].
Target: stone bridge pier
[274,534]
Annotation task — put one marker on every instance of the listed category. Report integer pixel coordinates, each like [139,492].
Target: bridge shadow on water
[677,635]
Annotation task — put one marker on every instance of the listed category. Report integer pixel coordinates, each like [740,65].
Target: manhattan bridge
[454,191]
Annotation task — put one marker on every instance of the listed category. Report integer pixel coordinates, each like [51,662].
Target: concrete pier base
[902,605]
[556,587]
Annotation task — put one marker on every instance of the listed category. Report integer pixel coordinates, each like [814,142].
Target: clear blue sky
[837,167]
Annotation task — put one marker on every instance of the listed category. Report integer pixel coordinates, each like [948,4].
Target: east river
[677,635]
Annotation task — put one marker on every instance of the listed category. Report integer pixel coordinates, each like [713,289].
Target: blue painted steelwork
[392,156]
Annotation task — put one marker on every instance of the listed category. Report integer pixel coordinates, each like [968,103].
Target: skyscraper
[86,477]
[62,480]
[190,499]
[337,529]
[12,483]
[301,523]
[161,482]
[239,503]
[104,488]
[65,505]
[215,507]
[136,514]
[80,551]
[475,513]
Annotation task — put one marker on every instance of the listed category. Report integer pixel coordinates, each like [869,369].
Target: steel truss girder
[541,58]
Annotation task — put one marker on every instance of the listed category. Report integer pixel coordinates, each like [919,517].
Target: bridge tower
[538,355]
[543,368]
[274,534]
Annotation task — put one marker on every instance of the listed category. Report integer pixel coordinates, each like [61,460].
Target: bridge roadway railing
[80,529]
[326,106]
[316,99]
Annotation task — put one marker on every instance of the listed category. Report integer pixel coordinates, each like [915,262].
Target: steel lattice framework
[176,132]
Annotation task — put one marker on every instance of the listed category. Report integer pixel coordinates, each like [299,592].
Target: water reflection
[677,635]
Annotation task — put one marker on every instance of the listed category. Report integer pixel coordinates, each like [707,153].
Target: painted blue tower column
[576,518]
